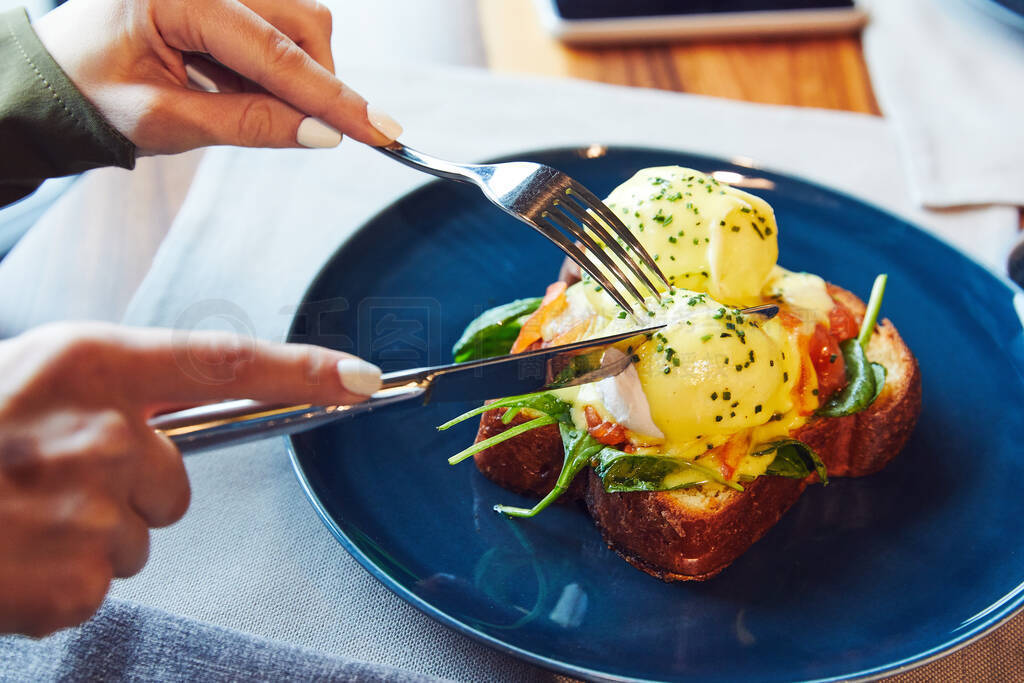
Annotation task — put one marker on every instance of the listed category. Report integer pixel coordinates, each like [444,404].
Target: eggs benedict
[723,417]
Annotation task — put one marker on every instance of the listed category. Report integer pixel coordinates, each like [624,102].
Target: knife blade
[525,373]
[551,368]
[234,422]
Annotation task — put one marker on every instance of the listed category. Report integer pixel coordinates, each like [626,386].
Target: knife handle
[235,422]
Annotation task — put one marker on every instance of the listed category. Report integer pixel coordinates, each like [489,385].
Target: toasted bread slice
[693,534]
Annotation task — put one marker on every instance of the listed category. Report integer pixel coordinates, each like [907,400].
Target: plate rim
[1004,609]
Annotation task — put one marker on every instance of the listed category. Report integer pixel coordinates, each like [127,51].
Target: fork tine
[565,222]
[574,252]
[589,221]
[590,201]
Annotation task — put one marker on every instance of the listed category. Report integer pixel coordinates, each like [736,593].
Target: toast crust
[693,534]
[662,534]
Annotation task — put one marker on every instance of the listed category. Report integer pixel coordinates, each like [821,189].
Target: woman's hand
[83,477]
[270,59]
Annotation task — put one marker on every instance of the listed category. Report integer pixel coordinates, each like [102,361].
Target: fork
[550,201]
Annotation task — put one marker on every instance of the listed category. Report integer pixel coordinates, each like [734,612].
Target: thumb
[177,367]
[240,119]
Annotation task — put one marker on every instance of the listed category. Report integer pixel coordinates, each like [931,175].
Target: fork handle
[428,164]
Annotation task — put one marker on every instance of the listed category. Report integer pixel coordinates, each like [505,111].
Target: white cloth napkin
[258,224]
[950,77]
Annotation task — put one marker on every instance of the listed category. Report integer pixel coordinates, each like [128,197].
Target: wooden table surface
[809,72]
[828,73]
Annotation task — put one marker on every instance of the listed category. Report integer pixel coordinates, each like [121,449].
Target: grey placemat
[125,641]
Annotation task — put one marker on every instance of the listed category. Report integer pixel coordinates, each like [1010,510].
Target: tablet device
[625,21]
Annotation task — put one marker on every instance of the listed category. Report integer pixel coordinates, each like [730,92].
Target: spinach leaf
[494,331]
[880,373]
[864,380]
[498,438]
[552,410]
[621,471]
[542,402]
[860,388]
[580,448]
[793,459]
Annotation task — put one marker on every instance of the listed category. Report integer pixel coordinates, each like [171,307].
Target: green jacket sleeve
[47,127]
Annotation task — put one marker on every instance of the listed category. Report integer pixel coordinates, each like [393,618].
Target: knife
[235,422]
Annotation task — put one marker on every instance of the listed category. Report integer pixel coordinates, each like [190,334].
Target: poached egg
[711,376]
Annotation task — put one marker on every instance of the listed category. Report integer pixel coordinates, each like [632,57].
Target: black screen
[602,9]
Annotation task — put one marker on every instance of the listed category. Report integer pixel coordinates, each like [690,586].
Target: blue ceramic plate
[860,578]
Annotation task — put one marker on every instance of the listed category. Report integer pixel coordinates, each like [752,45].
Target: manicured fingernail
[358,376]
[314,133]
[200,79]
[384,124]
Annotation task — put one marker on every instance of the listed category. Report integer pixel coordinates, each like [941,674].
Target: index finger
[243,41]
[177,367]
